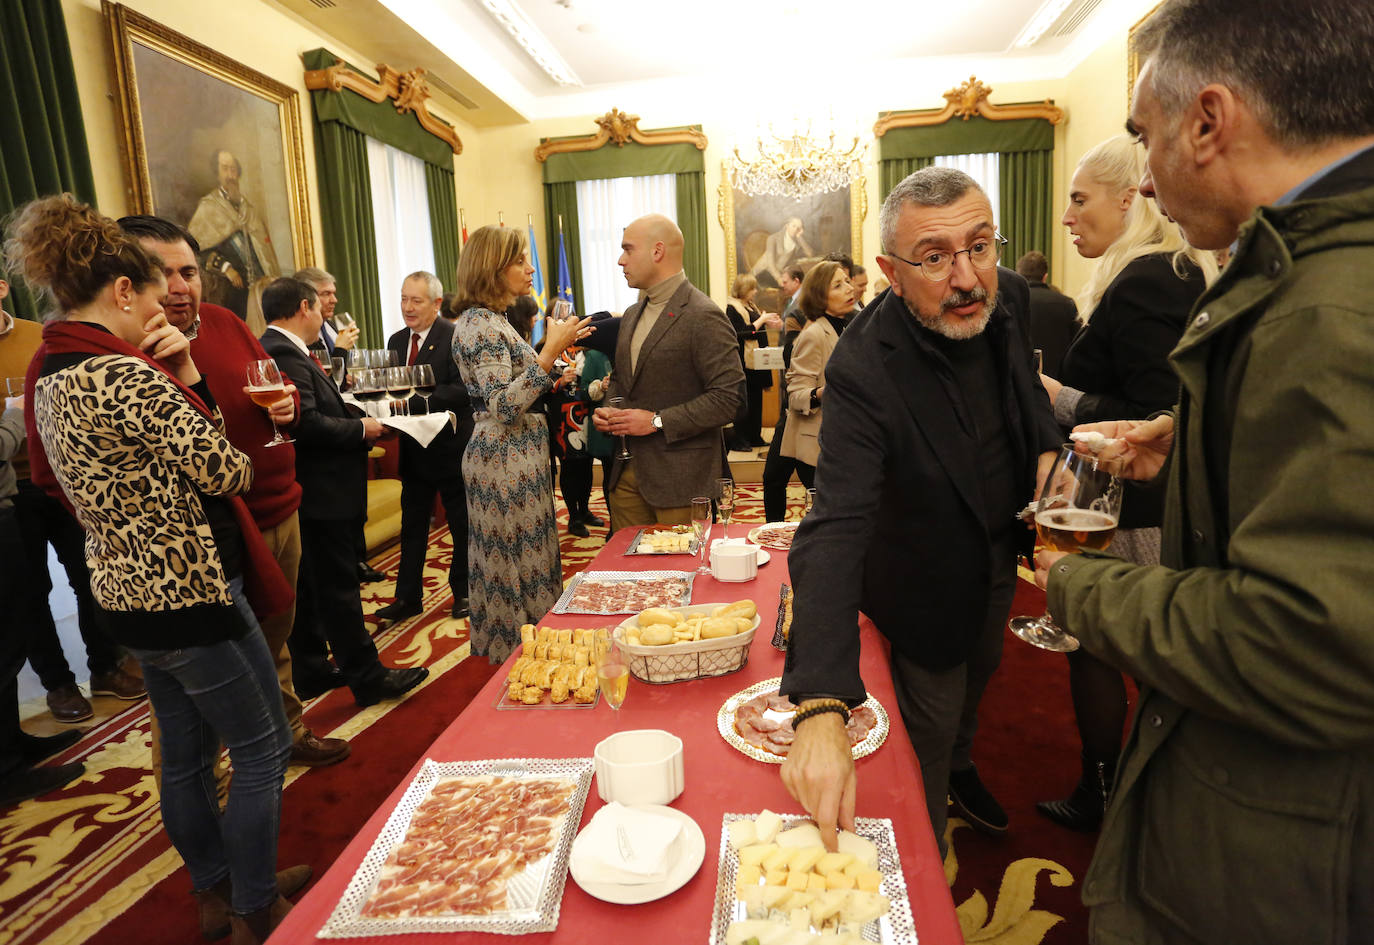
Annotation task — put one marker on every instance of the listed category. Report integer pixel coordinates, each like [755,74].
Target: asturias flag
[540,295]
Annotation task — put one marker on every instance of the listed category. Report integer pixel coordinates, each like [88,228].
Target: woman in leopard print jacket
[129,430]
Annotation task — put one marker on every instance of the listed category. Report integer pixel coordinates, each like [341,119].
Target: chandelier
[797,165]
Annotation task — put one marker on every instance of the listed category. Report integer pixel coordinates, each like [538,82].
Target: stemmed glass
[14,386]
[398,386]
[336,366]
[810,502]
[1078,510]
[701,529]
[612,671]
[265,388]
[369,385]
[725,503]
[422,375]
[618,403]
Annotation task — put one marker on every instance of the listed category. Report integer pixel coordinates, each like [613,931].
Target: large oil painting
[216,147]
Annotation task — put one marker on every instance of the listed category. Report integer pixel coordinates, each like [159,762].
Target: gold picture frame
[770,215]
[182,106]
[1132,59]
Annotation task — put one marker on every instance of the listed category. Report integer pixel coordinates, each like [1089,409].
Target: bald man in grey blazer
[677,366]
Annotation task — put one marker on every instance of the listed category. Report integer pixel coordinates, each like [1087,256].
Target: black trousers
[417,502]
[43,520]
[15,576]
[575,479]
[329,611]
[777,472]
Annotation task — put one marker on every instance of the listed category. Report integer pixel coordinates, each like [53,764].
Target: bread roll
[657,635]
[654,615]
[718,627]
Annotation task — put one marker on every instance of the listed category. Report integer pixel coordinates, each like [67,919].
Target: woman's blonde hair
[488,253]
[742,284]
[1119,163]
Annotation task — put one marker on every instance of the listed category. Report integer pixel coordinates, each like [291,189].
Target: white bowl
[642,766]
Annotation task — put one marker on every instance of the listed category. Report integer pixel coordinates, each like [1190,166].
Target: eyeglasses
[938,264]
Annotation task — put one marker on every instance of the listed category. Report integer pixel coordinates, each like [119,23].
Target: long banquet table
[719,779]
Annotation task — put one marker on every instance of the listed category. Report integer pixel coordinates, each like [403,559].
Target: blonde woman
[751,327]
[1133,308]
[514,573]
[827,298]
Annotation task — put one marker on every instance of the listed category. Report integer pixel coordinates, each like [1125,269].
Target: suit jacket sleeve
[804,373]
[715,357]
[314,428]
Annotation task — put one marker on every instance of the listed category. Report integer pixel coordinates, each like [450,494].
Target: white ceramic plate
[685,857]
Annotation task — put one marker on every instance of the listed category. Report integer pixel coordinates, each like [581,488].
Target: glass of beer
[612,671]
[1078,510]
[265,388]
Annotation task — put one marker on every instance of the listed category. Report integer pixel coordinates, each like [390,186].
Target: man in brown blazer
[677,366]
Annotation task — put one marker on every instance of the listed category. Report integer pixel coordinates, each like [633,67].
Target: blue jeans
[205,695]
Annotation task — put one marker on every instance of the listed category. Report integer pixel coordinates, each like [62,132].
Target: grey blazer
[689,373]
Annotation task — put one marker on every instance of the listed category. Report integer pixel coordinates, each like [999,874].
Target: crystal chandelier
[797,165]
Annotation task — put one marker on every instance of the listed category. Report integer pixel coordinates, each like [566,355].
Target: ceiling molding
[409,90]
[964,102]
[617,127]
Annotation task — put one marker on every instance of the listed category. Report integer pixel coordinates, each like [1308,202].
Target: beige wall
[497,171]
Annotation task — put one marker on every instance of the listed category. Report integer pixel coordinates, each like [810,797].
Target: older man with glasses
[936,431]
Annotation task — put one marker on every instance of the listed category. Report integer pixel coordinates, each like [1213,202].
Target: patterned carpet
[92,864]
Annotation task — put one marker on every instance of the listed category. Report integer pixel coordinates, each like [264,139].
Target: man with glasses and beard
[935,433]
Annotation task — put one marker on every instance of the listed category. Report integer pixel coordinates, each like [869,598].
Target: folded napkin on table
[625,845]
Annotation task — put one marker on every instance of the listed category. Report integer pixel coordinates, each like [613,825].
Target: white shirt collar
[295,339]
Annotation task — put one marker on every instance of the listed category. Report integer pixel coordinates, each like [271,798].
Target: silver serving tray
[564,602]
[635,549]
[725,724]
[895,928]
[534,896]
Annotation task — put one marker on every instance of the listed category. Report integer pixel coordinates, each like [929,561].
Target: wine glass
[344,321]
[398,386]
[1078,510]
[265,388]
[618,403]
[701,529]
[422,376]
[336,366]
[368,387]
[725,503]
[612,671]
[810,502]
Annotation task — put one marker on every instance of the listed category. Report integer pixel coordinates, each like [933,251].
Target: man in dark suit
[1053,316]
[331,465]
[438,467]
[677,366]
[936,430]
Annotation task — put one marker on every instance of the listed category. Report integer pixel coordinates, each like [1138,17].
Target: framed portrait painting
[764,235]
[215,146]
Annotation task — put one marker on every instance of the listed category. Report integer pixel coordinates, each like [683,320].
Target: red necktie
[414,347]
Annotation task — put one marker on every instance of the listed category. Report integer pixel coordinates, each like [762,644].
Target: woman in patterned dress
[514,573]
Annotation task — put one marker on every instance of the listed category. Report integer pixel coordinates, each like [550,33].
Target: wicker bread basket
[678,661]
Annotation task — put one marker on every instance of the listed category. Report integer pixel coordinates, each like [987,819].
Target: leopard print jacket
[133,457]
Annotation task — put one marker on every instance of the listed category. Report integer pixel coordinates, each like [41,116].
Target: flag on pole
[565,288]
[463,221]
[540,295]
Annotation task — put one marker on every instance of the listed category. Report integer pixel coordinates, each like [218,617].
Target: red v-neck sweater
[222,351]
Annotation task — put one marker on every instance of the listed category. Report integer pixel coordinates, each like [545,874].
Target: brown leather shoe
[255,927]
[67,704]
[214,902]
[119,684]
[315,752]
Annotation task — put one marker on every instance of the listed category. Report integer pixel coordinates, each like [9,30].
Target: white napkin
[422,429]
[626,846]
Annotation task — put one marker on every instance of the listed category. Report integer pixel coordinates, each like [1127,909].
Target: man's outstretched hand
[819,773]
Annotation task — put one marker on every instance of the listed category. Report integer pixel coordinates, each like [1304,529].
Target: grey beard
[964,329]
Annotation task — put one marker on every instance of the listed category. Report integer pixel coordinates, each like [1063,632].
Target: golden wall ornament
[616,127]
[409,90]
[964,102]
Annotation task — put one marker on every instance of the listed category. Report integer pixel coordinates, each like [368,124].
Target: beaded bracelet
[820,707]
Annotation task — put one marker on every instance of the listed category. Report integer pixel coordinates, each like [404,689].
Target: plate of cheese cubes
[778,885]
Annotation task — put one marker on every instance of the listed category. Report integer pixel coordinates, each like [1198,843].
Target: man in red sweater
[222,347]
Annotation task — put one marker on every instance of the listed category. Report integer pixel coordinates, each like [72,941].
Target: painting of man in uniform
[773,233]
[216,161]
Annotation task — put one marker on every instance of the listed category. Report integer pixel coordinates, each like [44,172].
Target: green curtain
[691,219]
[561,200]
[892,171]
[443,223]
[1026,195]
[350,238]
[44,150]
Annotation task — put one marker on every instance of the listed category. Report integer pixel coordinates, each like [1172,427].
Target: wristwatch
[658,422]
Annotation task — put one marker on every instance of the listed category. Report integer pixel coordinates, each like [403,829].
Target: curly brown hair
[70,251]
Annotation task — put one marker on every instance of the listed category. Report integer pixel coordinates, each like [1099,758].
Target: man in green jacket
[1244,808]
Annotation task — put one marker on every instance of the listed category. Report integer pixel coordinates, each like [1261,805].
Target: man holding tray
[935,428]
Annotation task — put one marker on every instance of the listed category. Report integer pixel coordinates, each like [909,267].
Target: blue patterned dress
[514,572]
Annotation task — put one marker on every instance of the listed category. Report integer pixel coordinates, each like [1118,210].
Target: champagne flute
[422,375]
[265,388]
[725,503]
[612,671]
[701,528]
[1078,510]
[618,403]
[336,366]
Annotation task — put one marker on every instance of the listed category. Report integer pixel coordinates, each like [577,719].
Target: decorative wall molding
[964,102]
[409,90]
[617,127]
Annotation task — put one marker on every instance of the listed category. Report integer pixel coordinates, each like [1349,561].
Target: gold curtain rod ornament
[964,102]
[409,90]
[617,127]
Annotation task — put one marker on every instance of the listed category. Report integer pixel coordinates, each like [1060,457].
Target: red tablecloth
[719,779]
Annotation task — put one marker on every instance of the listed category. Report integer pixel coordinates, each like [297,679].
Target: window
[400,213]
[603,209]
[984,168]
